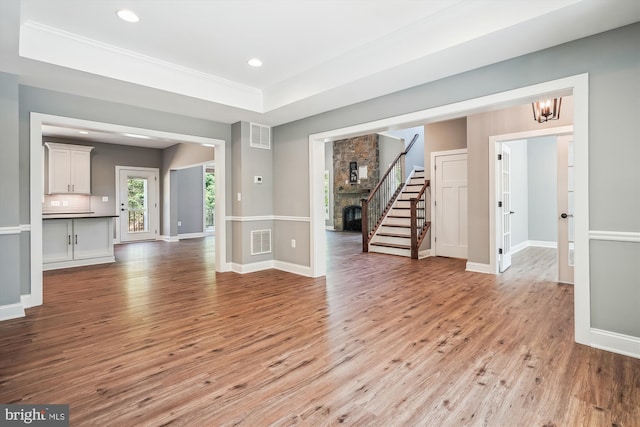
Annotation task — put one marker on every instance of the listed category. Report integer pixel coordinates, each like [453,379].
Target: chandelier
[546,110]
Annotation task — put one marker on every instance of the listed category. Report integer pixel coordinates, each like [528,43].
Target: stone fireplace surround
[363,150]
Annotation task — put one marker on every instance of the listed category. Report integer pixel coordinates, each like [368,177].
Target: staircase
[393,236]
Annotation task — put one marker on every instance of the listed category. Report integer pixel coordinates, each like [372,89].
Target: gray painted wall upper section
[543,189]
[9,173]
[190,200]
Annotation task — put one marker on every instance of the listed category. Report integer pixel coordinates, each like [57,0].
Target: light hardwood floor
[158,338]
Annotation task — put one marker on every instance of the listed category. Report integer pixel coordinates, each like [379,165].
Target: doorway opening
[529,189]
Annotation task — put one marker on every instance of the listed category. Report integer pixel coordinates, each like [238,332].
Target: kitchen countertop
[71,215]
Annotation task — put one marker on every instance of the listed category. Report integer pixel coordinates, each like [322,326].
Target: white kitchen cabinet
[77,242]
[69,168]
[56,240]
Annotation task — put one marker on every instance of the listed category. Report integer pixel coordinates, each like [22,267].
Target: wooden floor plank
[160,338]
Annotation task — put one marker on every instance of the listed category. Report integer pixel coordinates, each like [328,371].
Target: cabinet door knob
[69,236]
[76,239]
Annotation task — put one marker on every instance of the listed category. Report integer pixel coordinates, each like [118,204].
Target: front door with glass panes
[138,204]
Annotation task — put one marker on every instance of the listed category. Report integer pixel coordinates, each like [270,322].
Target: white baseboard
[169,239]
[476,267]
[533,243]
[615,343]
[542,244]
[28,301]
[424,254]
[11,311]
[301,270]
[190,235]
[520,246]
[252,267]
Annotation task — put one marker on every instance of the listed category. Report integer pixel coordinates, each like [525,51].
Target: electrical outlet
[239,197]
[179,223]
[293,243]
[105,198]
[65,203]
[55,203]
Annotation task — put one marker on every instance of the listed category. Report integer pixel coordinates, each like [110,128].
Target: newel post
[364,221]
[414,230]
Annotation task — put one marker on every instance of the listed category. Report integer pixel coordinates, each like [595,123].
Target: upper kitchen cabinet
[69,168]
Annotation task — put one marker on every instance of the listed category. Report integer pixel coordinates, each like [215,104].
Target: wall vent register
[260,136]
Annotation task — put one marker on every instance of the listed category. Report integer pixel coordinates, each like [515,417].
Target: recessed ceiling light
[84,132]
[127,15]
[255,62]
[135,135]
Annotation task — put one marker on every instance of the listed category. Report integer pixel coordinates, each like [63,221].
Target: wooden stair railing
[419,214]
[382,197]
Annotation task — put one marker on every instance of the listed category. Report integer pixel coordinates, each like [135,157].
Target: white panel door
[565,209]
[504,207]
[451,206]
[138,210]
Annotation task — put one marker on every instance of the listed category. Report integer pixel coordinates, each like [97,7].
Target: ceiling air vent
[260,242]
[260,136]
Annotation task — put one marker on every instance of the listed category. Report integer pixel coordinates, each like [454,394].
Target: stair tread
[405,236]
[391,245]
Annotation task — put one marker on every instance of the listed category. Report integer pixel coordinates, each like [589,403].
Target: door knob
[511,212]
[564,215]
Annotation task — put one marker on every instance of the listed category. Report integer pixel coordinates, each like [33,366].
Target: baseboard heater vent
[260,242]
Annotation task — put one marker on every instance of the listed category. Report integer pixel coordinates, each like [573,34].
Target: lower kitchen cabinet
[76,242]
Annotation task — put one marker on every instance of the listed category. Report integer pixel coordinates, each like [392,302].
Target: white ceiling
[318,54]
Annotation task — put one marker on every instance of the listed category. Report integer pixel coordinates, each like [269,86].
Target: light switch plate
[105,198]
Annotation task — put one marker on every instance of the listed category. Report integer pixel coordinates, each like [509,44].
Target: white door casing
[138,223]
[504,206]
[566,209]
[450,230]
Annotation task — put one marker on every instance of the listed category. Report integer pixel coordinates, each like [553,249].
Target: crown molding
[54,46]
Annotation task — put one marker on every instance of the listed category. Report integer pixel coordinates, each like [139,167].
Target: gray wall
[190,199]
[176,157]
[519,192]
[10,259]
[612,60]
[256,199]
[543,189]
